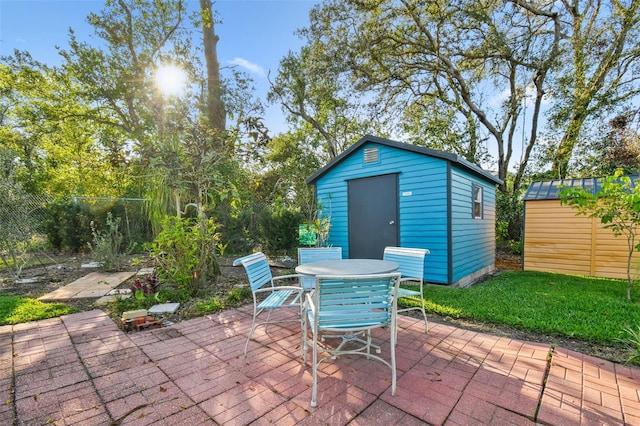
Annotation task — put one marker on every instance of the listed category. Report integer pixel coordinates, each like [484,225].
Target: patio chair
[315,254]
[267,294]
[411,261]
[350,304]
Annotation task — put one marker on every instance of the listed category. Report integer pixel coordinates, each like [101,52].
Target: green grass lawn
[18,309]
[591,309]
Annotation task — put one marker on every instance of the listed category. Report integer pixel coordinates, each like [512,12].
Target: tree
[56,150]
[118,80]
[216,114]
[617,205]
[479,62]
[317,98]
[433,57]
[601,49]
[613,145]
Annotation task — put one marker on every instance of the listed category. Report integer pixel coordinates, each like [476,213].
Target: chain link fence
[32,216]
[134,220]
[68,224]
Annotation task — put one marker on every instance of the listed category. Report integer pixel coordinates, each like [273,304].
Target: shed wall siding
[422,218]
[473,240]
[558,240]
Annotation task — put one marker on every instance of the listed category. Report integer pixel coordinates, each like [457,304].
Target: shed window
[477,201]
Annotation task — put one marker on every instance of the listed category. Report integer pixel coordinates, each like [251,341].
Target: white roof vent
[371,155]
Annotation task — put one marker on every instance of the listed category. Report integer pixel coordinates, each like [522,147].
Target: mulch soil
[62,270]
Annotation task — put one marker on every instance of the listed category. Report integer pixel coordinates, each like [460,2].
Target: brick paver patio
[81,369]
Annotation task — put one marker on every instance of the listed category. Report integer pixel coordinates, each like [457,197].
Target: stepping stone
[91,265]
[164,308]
[145,271]
[93,285]
[116,293]
[27,281]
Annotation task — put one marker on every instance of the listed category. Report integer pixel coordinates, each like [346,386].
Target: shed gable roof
[468,166]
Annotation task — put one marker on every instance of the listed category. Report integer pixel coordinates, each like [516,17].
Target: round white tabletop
[347,267]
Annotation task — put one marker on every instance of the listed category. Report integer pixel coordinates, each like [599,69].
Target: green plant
[617,205]
[221,248]
[633,342]
[146,287]
[106,246]
[68,225]
[509,214]
[18,309]
[185,251]
[211,305]
[237,296]
[279,229]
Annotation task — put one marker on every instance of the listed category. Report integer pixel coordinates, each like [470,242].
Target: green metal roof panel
[549,189]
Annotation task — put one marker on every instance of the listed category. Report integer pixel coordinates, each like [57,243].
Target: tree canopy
[475,77]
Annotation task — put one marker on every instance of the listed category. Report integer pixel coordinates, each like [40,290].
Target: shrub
[633,342]
[185,251]
[280,230]
[68,225]
[107,246]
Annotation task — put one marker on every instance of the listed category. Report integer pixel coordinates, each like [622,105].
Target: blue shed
[380,193]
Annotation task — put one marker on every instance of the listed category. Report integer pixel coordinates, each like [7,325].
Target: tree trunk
[216,113]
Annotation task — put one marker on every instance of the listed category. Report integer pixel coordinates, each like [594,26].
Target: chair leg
[424,315]
[305,338]
[393,331]
[253,328]
[314,386]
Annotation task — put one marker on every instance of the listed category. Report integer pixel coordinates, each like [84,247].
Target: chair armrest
[410,280]
[295,288]
[286,277]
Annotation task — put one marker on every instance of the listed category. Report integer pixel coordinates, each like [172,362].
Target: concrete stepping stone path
[93,285]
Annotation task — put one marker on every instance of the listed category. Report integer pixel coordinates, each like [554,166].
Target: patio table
[347,267]
[344,267]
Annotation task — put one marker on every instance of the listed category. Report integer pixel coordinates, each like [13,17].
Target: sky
[254,34]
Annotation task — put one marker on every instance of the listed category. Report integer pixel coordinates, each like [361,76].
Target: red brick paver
[81,369]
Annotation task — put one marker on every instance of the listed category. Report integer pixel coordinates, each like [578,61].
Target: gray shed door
[373,216]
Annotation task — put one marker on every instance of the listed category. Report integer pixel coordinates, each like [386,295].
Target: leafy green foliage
[632,340]
[553,304]
[185,251]
[279,229]
[509,214]
[68,225]
[236,297]
[16,224]
[617,205]
[107,246]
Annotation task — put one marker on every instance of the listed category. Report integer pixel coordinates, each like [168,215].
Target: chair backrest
[355,302]
[257,269]
[314,254]
[411,260]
